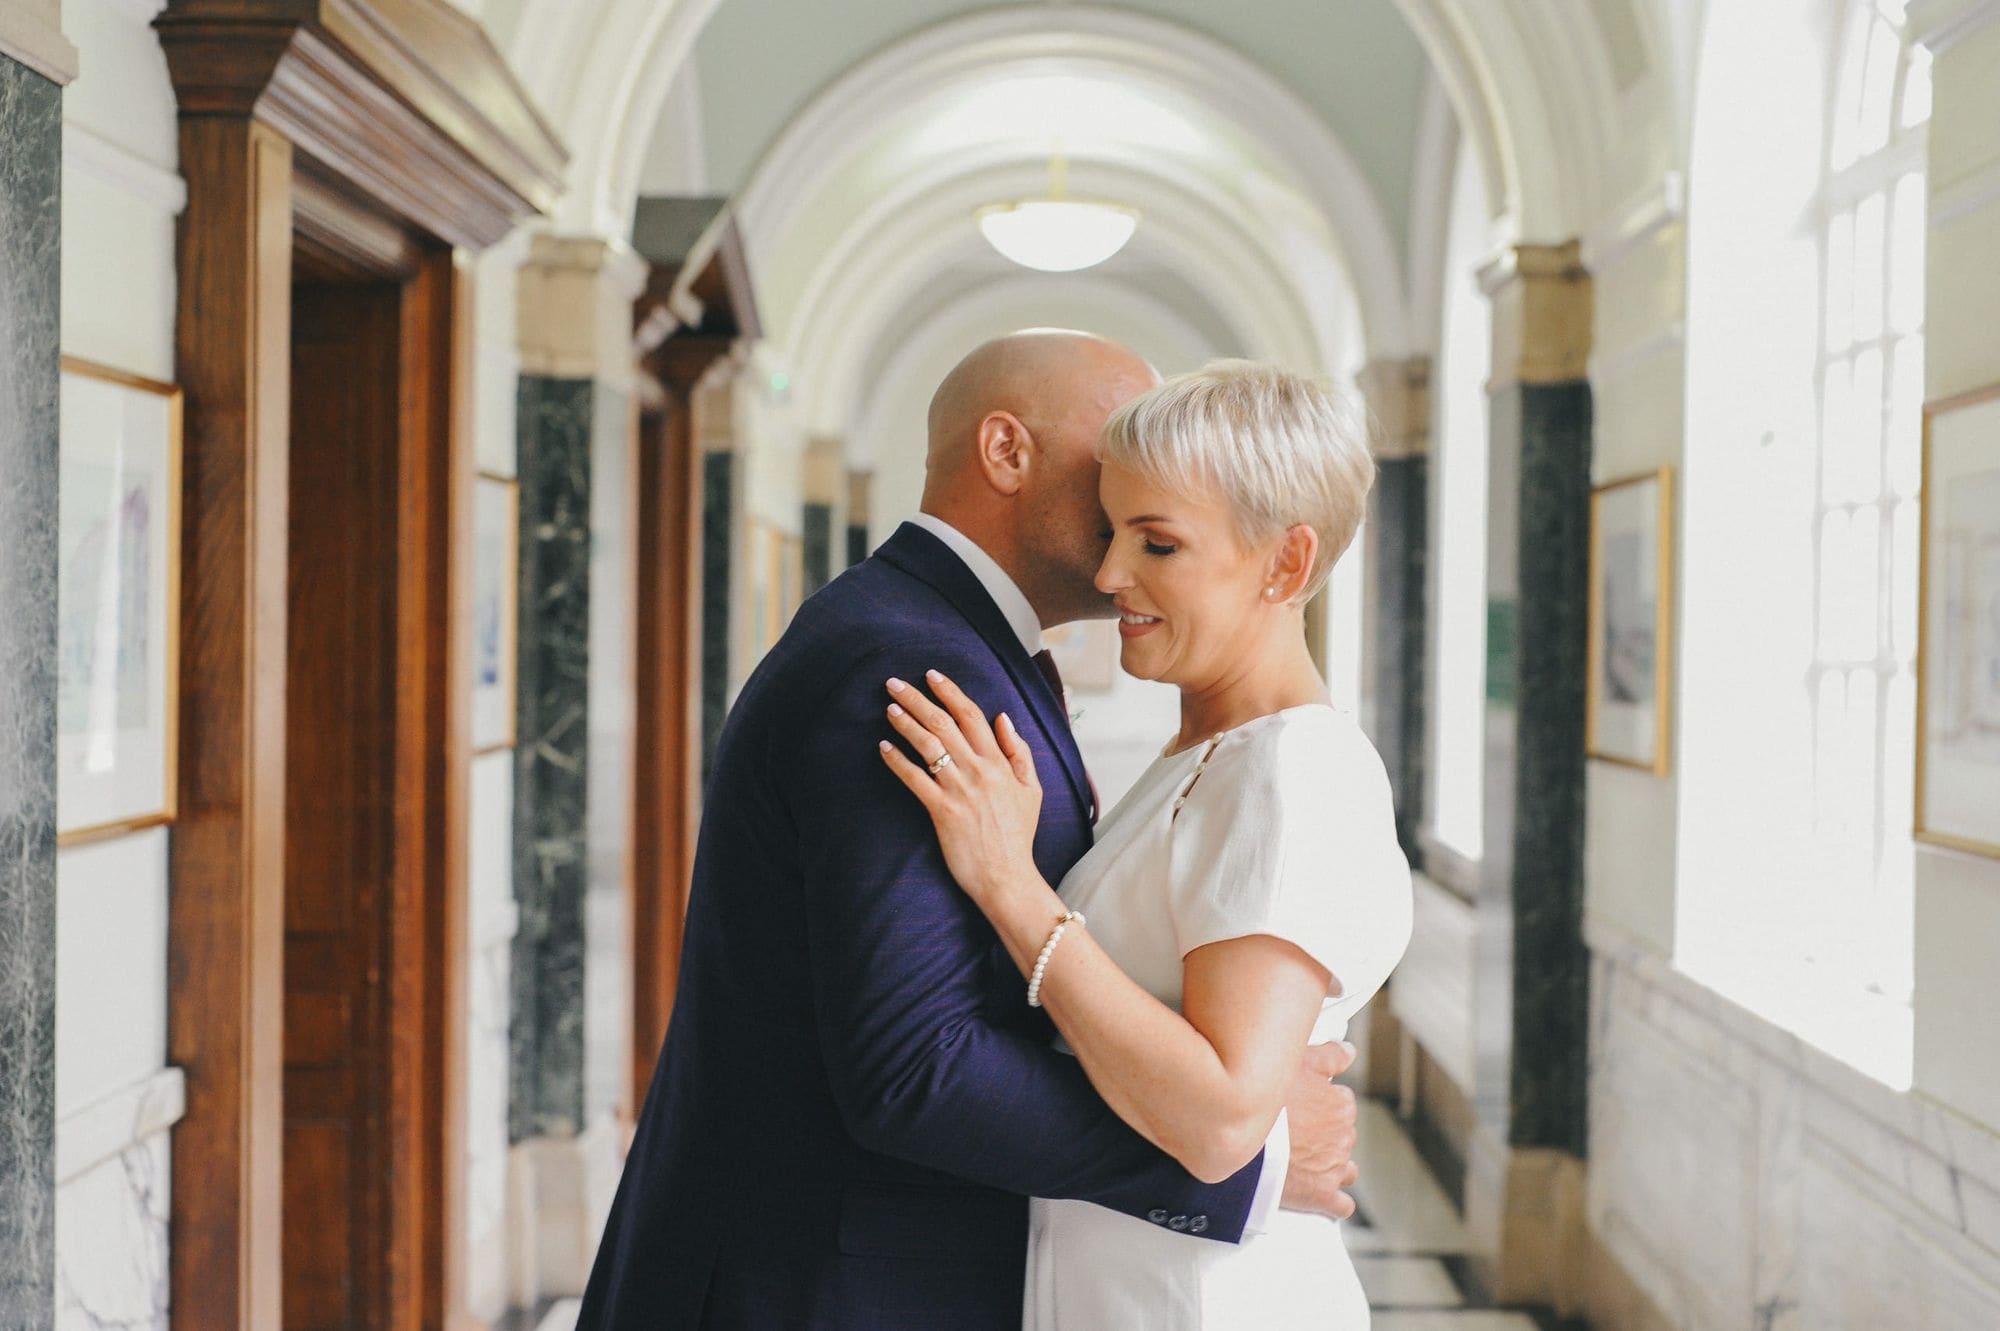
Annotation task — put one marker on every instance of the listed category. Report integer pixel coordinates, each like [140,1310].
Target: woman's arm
[1205,1084]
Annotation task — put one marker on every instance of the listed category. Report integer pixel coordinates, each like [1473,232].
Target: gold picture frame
[1958,626]
[118,603]
[1629,663]
[496,616]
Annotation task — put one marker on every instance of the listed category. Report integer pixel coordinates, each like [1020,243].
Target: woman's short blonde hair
[1280,448]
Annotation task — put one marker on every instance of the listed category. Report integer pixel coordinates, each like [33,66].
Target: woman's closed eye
[1158,549]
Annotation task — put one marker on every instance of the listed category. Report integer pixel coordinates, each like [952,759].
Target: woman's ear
[1004,451]
[1292,564]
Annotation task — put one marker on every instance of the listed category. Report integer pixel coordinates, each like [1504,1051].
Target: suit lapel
[924,556]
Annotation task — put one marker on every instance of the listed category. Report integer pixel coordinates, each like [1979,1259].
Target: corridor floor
[1407,1243]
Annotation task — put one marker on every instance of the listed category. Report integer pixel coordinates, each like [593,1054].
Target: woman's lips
[1134,625]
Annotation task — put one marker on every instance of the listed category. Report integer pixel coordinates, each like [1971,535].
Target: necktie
[1046,661]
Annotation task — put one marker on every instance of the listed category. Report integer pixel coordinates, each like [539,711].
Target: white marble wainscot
[1432,995]
[494,920]
[1746,1179]
[112,1202]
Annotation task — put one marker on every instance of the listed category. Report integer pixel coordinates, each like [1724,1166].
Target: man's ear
[1291,567]
[1004,450]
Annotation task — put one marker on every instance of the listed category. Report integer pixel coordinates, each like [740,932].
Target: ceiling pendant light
[1057,234]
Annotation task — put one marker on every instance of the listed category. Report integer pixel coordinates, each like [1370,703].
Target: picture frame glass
[495,614]
[1958,743]
[117,603]
[1628,587]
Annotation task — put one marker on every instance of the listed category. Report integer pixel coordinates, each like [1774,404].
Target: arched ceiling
[862,205]
[1356,66]
[1271,146]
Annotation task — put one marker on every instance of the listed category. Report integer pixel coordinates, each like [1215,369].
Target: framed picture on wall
[1630,621]
[496,536]
[1958,634]
[118,602]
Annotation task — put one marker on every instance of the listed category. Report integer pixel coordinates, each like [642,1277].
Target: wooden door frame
[668,718]
[667,705]
[406,107]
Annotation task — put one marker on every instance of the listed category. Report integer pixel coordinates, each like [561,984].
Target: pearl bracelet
[1048,950]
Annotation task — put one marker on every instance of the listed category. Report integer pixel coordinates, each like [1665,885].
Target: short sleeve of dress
[1289,831]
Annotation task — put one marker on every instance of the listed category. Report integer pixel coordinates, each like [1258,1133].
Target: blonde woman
[1246,897]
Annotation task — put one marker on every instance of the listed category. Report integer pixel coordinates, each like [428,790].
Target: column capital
[1542,314]
[825,473]
[1398,393]
[31,32]
[574,307]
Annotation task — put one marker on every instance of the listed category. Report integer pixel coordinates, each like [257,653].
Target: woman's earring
[1269,592]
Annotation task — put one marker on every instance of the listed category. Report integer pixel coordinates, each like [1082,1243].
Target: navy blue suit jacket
[855,1102]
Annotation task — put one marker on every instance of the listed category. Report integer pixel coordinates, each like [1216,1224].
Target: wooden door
[372,741]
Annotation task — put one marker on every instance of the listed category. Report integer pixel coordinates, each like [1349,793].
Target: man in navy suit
[855,1101]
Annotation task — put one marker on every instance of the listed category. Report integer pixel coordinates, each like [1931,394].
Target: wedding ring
[943,761]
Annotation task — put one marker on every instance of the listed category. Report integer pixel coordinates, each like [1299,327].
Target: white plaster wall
[496,355]
[1638,389]
[115,1100]
[493,920]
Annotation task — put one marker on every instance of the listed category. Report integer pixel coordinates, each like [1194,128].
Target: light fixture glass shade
[1057,235]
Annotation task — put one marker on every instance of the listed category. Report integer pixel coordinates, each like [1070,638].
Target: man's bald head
[1033,375]
[1012,459]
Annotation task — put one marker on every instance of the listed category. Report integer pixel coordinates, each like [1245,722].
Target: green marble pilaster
[552,757]
[30,238]
[1397,569]
[1531,986]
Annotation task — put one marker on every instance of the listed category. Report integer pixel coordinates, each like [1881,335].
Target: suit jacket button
[1197,1224]
[1178,1222]
[1157,1217]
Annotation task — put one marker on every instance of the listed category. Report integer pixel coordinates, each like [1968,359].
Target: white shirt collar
[1013,603]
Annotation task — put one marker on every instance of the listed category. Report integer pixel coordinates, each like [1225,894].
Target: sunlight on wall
[1804,389]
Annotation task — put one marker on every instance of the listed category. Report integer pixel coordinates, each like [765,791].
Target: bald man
[855,1101]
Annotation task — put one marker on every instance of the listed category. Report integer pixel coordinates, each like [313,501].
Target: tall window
[1861,683]
[1458,591]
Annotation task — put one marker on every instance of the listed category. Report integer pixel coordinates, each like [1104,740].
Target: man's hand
[1321,1118]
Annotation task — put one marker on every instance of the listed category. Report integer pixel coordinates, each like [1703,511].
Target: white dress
[1282,826]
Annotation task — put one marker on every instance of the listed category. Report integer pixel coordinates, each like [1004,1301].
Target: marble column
[30,237]
[1532,971]
[859,487]
[1397,612]
[821,516]
[569,1029]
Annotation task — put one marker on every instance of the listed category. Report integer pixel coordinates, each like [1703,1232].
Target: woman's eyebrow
[1144,518]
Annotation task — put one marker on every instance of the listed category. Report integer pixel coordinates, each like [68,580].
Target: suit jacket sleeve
[923,1066]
